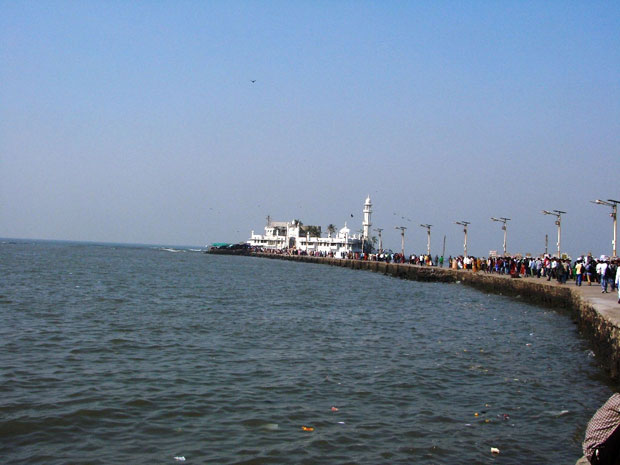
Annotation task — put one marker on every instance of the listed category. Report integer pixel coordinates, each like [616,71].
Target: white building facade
[367,224]
[292,235]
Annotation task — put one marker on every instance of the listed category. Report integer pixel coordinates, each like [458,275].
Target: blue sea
[150,355]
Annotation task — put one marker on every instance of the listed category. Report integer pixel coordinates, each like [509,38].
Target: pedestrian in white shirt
[601,270]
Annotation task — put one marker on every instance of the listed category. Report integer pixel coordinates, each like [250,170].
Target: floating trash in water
[334,409]
[494,450]
[271,426]
[341,422]
[180,458]
[307,428]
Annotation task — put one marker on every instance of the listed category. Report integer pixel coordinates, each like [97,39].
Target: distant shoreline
[9,240]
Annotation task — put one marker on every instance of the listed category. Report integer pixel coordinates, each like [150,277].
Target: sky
[188,122]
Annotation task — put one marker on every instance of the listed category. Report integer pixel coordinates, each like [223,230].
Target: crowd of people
[603,271]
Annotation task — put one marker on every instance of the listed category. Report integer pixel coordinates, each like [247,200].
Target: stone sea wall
[596,324]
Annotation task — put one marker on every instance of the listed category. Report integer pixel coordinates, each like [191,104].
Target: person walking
[568,271]
[601,270]
[539,267]
[559,272]
[611,274]
[589,271]
[578,273]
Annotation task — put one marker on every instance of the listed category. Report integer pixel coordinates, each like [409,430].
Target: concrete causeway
[605,304]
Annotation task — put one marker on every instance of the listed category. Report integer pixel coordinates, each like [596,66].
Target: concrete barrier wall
[598,327]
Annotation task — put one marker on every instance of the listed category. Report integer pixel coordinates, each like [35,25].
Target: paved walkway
[606,304]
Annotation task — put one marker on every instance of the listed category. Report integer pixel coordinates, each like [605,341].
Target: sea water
[119,354]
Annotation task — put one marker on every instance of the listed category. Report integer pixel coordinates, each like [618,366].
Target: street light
[614,215]
[402,235]
[558,222]
[503,220]
[464,224]
[428,240]
[380,240]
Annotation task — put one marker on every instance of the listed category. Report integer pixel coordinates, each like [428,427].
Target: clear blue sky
[138,121]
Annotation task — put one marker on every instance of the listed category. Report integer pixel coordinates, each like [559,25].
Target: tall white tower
[367,212]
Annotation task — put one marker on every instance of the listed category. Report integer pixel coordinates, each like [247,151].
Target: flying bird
[252,80]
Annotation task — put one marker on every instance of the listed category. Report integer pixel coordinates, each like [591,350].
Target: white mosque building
[281,235]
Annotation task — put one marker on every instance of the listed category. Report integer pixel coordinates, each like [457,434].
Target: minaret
[367,224]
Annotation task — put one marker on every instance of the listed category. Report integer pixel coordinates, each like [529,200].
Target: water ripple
[114,354]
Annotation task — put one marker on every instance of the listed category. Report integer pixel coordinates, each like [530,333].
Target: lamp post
[402,235]
[380,239]
[503,220]
[464,224]
[558,222]
[614,215]
[428,237]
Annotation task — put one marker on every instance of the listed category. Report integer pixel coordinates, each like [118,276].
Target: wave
[167,249]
